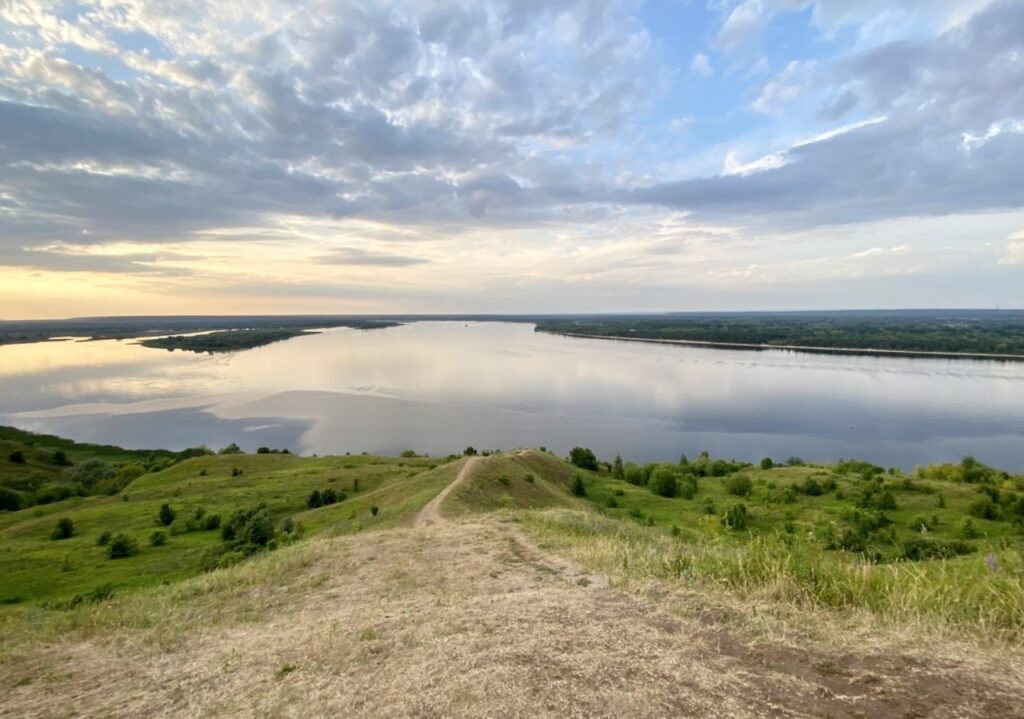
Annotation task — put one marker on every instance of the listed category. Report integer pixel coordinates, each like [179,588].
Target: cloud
[701,66]
[1013,254]
[357,257]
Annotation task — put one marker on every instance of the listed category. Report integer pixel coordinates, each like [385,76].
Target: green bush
[663,482]
[688,486]
[10,500]
[158,538]
[121,546]
[983,508]
[329,496]
[811,487]
[408,453]
[583,458]
[16,457]
[374,510]
[736,517]
[315,499]
[104,539]
[635,475]
[578,488]
[469,451]
[920,548]
[211,522]
[64,529]
[166,515]
[767,463]
[738,485]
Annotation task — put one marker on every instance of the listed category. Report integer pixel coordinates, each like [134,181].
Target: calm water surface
[439,386]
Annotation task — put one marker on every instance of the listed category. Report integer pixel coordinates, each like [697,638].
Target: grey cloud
[358,257]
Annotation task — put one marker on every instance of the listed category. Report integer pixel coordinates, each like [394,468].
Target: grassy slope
[807,514]
[524,480]
[36,568]
[38,450]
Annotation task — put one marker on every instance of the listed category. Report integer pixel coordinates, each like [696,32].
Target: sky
[165,157]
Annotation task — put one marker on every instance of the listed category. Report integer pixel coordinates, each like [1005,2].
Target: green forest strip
[981,337]
[227,341]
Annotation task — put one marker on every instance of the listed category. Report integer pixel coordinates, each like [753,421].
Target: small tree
[617,469]
[470,451]
[736,517]
[583,458]
[664,482]
[231,449]
[166,515]
[767,463]
[64,529]
[121,546]
[17,457]
[738,485]
[263,450]
[578,488]
[315,499]
[329,496]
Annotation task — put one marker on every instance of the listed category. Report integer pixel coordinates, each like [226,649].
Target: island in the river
[224,341]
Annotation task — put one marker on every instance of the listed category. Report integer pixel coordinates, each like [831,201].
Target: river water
[439,386]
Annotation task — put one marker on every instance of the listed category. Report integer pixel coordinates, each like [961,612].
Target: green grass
[527,480]
[37,569]
[808,514]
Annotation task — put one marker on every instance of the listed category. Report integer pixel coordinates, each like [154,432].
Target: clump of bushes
[578,488]
[920,548]
[663,482]
[16,457]
[166,515]
[317,499]
[63,530]
[583,458]
[736,517]
[158,538]
[738,485]
[121,546]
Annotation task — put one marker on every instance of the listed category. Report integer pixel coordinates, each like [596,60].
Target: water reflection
[439,386]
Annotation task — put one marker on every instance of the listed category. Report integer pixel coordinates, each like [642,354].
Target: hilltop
[513,583]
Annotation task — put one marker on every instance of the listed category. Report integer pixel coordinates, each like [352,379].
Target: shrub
[738,485]
[920,548]
[736,517]
[10,500]
[583,458]
[374,510]
[211,522]
[231,449]
[121,546]
[315,499]
[663,482]
[263,450]
[408,453]
[635,475]
[611,503]
[329,496]
[104,539]
[709,505]
[203,472]
[64,529]
[355,485]
[90,473]
[688,486]
[16,457]
[767,463]
[887,500]
[967,529]
[618,471]
[983,508]
[920,523]
[158,538]
[236,472]
[810,487]
[530,478]
[578,488]
[166,515]
[469,451]
[60,458]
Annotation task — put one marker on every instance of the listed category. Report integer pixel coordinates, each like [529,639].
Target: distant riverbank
[799,348]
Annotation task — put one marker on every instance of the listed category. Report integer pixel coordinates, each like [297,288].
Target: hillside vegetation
[237,583]
[953,332]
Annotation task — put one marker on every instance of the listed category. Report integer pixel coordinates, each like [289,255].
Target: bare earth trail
[431,512]
[471,619]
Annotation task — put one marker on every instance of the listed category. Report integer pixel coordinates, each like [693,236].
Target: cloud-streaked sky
[524,156]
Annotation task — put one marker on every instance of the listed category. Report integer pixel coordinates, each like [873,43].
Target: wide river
[439,386]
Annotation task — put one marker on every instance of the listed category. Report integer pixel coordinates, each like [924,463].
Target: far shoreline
[805,349]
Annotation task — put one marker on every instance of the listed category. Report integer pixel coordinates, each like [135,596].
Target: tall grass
[983,595]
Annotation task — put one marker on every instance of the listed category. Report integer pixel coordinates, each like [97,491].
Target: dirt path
[431,512]
[468,619]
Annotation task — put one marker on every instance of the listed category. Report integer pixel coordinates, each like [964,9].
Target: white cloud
[1013,254]
[701,66]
